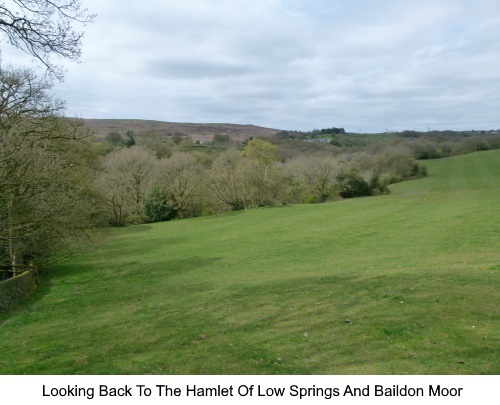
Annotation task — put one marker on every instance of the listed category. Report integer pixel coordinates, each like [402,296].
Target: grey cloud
[292,65]
[196,69]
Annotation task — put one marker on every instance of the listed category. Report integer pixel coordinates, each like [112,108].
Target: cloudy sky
[291,64]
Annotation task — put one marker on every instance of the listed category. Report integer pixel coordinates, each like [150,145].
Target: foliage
[180,177]
[226,181]
[158,206]
[125,181]
[130,140]
[283,169]
[312,178]
[46,167]
[177,137]
[261,152]
[185,145]
[377,186]
[439,144]
[157,142]
[115,139]
[219,139]
[351,184]
[261,173]
[332,130]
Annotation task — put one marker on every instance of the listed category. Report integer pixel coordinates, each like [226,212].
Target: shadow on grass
[135,229]
[129,273]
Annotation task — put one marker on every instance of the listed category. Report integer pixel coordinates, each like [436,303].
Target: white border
[30,389]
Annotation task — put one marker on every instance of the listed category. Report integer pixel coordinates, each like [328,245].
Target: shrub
[157,206]
[351,184]
[378,187]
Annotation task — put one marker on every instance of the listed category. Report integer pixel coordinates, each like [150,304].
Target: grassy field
[401,284]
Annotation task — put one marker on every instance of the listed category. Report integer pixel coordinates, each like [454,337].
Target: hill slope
[405,283]
[198,132]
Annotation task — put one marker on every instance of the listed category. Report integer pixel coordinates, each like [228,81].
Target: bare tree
[314,176]
[180,175]
[262,175]
[127,179]
[227,180]
[397,161]
[157,142]
[42,28]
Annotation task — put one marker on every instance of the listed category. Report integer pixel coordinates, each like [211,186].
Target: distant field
[401,284]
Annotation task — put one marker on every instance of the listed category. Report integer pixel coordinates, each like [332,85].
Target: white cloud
[291,64]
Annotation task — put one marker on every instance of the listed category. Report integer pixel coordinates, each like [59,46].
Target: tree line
[140,185]
[47,196]
[47,166]
[159,180]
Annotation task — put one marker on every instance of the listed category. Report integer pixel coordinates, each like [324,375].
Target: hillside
[200,132]
[399,284]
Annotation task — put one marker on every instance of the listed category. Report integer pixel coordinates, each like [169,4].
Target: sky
[366,66]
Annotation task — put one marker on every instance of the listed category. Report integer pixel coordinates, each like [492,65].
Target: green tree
[130,139]
[115,139]
[261,152]
[157,142]
[219,139]
[158,206]
[45,194]
[177,137]
[46,171]
[185,145]
[351,184]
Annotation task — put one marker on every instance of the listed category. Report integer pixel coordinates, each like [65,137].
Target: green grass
[401,284]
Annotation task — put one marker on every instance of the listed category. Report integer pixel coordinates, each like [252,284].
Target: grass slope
[400,284]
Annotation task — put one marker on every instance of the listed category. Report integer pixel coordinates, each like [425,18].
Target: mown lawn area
[401,284]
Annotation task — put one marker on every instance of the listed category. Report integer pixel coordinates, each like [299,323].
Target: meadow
[406,283]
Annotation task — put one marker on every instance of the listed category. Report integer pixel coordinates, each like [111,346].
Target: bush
[157,206]
[378,187]
[420,171]
[351,184]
